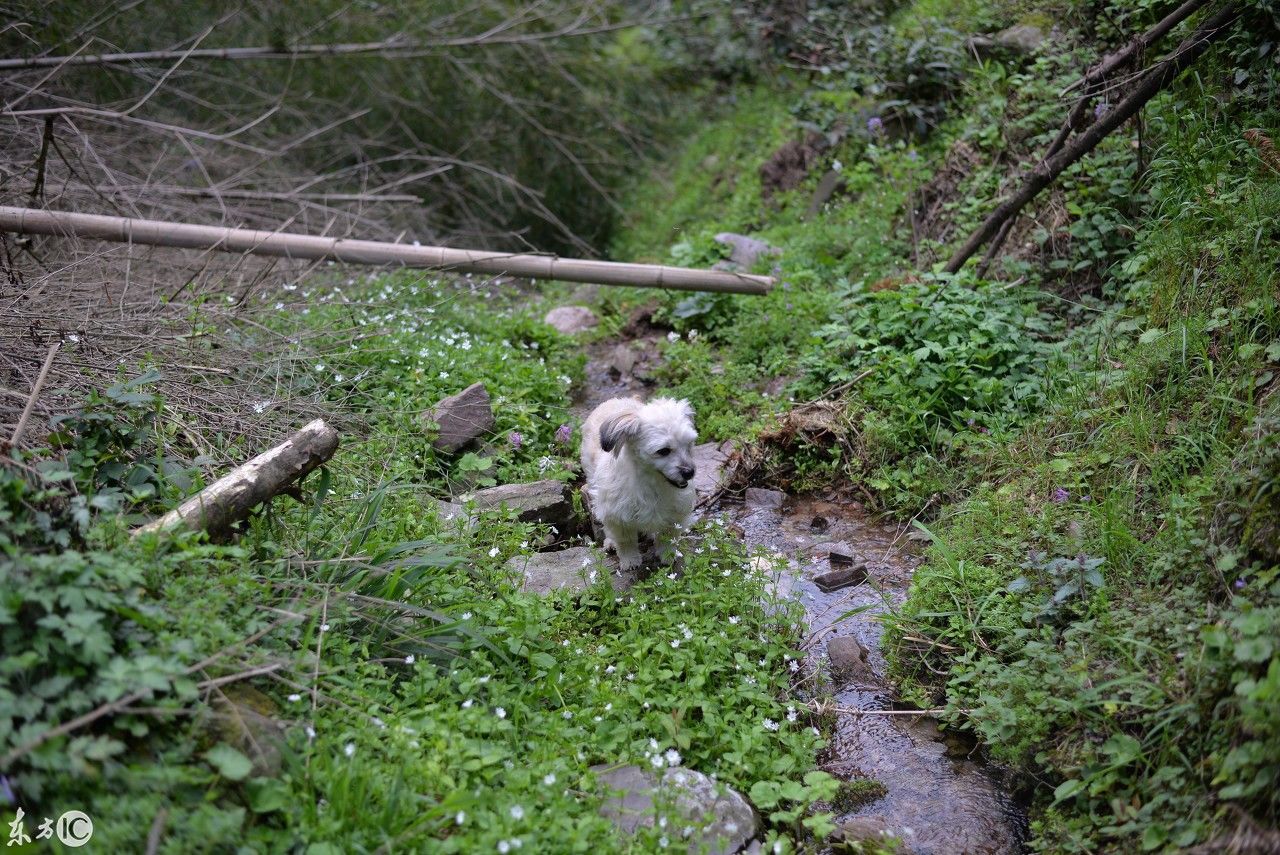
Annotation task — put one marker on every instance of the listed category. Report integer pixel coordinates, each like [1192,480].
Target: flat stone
[746,251]
[574,569]
[844,577]
[849,658]
[462,417]
[710,459]
[449,513]
[536,501]
[862,829]
[759,498]
[571,319]
[724,819]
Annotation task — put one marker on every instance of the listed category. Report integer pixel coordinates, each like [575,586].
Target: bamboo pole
[313,248]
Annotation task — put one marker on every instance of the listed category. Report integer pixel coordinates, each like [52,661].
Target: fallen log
[313,248]
[230,499]
[1154,79]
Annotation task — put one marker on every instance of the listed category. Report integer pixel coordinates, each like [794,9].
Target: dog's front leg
[626,542]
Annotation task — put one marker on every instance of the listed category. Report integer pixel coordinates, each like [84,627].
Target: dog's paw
[610,546]
[629,563]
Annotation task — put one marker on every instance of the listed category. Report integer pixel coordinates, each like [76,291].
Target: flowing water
[939,798]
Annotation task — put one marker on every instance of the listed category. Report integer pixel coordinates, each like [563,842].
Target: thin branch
[1156,78]
[397,46]
[35,393]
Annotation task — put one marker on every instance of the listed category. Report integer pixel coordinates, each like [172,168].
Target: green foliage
[788,801]
[938,356]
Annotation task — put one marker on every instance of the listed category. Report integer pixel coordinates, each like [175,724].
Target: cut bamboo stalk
[313,248]
[229,499]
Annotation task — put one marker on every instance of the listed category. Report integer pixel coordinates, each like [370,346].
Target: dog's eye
[662,452]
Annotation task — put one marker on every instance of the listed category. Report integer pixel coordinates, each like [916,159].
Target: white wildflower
[673,757]
[769,724]
[350,750]
[500,712]
[517,812]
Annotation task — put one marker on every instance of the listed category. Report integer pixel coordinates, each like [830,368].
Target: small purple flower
[6,792]
[875,124]
[1238,585]
[1100,109]
[564,433]
[1059,495]
[911,155]
[516,439]
[1086,498]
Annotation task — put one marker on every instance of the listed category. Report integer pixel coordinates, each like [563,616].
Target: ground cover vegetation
[1086,431]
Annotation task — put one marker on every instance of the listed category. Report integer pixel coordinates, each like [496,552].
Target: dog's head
[659,434]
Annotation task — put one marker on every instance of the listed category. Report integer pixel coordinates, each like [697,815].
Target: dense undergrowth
[1089,436]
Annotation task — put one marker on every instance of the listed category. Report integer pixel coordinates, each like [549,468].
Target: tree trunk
[229,499]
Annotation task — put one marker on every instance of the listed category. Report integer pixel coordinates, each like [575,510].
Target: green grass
[427,703]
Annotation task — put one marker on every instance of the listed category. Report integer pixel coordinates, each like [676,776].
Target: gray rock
[862,829]
[759,498]
[462,417]
[1019,39]
[725,820]
[1023,38]
[710,459]
[842,577]
[451,514]
[746,251]
[537,501]
[622,361]
[571,319]
[849,658]
[574,569]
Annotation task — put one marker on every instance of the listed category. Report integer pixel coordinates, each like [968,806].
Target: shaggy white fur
[638,459]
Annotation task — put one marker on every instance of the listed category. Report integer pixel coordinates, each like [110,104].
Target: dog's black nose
[687,472]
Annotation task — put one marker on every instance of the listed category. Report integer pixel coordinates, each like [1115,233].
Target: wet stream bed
[938,797]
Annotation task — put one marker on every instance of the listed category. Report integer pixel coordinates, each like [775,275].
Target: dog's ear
[617,429]
[686,410]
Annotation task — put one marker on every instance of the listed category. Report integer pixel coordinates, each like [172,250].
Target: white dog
[639,463]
